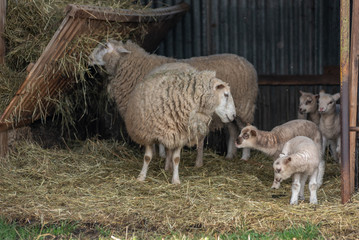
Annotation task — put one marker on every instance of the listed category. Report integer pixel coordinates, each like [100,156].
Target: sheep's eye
[226,95]
[308,102]
[245,136]
[331,102]
[278,170]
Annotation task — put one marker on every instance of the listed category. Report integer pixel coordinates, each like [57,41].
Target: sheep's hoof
[229,156]
[198,165]
[141,178]
[301,198]
[243,159]
[177,182]
[294,203]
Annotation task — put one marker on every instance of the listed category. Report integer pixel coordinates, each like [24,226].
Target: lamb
[308,107]
[174,107]
[127,64]
[272,142]
[300,158]
[329,123]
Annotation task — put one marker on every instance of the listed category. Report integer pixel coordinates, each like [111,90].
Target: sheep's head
[282,171]
[308,102]
[107,54]
[225,109]
[247,137]
[327,102]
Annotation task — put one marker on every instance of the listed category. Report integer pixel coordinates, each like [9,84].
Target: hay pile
[95,182]
[30,24]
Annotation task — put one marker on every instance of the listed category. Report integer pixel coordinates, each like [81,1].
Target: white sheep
[300,158]
[127,64]
[174,107]
[308,107]
[329,123]
[272,142]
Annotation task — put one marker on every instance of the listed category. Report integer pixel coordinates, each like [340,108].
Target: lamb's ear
[301,92]
[321,92]
[336,96]
[121,49]
[287,160]
[316,96]
[253,133]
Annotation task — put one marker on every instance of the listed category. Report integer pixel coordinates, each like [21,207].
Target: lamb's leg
[303,180]
[199,158]
[333,149]
[321,170]
[338,150]
[176,160]
[168,164]
[324,144]
[233,134]
[246,152]
[313,186]
[295,188]
[146,161]
[162,150]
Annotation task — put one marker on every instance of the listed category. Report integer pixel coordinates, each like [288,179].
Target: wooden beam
[344,83]
[2,29]
[3,143]
[353,81]
[325,79]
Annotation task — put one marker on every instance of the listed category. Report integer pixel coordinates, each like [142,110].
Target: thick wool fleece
[174,108]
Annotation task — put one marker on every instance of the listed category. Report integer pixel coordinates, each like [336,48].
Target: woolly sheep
[272,142]
[329,123]
[300,158]
[127,64]
[174,107]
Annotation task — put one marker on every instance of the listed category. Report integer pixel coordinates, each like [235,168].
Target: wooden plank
[353,97]
[325,79]
[3,143]
[2,29]
[344,79]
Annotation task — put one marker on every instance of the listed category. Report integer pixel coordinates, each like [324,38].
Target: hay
[29,27]
[95,182]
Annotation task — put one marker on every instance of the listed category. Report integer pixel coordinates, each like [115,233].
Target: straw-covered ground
[94,182]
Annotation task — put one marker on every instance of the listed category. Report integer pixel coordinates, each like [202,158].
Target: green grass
[70,230]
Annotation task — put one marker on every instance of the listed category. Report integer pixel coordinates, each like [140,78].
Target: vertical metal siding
[277,36]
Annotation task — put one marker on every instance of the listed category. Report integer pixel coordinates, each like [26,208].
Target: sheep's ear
[287,160]
[121,49]
[253,133]
[316,96]
[336,96]
[301,92]
[321,91]
[282,155]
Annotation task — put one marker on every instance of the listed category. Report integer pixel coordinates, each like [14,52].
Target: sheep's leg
[162,150]
[333,149]
[146,161]
[199,158]
[324,144]
[303,180]
[338,150]
[321,170]
[313,186]
[175,161]
[233,134]
[168,165]
[295,188]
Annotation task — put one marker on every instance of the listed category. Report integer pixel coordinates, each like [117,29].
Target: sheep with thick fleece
[308,107]
[329,123]
[127,64]
[300,158]
[174,107]
[272,142]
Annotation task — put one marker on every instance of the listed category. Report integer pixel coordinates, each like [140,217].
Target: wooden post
[3,143]
[344,89]
[2,28]
[353,81]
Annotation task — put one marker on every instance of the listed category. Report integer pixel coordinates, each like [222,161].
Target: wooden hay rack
[79,20]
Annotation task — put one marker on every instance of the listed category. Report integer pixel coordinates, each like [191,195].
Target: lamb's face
[308,102]
[327,102]
[247,138]
[225,109]
[281,170]
[101,54]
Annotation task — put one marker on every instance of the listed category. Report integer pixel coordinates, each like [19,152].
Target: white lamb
[329,123]
[174,107]
[127,64]
[300,158]
[272,142]
[308,107]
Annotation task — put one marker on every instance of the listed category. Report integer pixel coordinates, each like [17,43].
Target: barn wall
[277,36]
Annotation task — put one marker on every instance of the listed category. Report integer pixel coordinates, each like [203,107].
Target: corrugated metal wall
[277,36]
